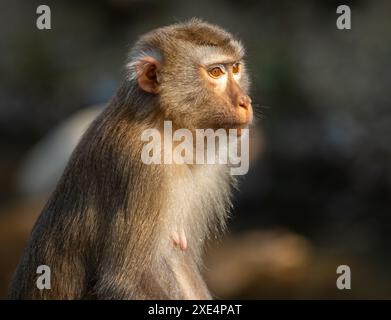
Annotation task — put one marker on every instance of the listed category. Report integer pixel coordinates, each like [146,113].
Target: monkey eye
[216,72]
[236,68]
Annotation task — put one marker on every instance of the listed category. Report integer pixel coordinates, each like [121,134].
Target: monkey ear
[147,74]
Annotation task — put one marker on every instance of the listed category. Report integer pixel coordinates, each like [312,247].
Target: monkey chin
[243,121]
[238,126]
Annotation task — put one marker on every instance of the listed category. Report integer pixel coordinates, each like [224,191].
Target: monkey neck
[195,202]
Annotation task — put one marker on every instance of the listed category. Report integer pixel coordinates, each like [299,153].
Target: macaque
[117,228]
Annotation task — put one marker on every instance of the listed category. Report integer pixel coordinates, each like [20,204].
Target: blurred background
[318,193]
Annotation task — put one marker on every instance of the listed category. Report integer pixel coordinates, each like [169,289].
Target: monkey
[116,228]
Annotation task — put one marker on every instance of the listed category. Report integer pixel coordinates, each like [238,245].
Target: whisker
[259,111]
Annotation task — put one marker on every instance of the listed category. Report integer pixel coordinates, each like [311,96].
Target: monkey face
[228,104]
[199,91]
[197,74]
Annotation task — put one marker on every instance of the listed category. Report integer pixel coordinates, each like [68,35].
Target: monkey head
[196,74]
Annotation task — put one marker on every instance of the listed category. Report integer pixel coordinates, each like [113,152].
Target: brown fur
[105,230]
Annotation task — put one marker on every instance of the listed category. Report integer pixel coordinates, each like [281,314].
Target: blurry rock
[46,161]
[276,264]
[257,264]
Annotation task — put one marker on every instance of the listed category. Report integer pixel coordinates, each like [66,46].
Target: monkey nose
[244,101]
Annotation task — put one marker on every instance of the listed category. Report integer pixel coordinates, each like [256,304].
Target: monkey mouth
[242,121]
